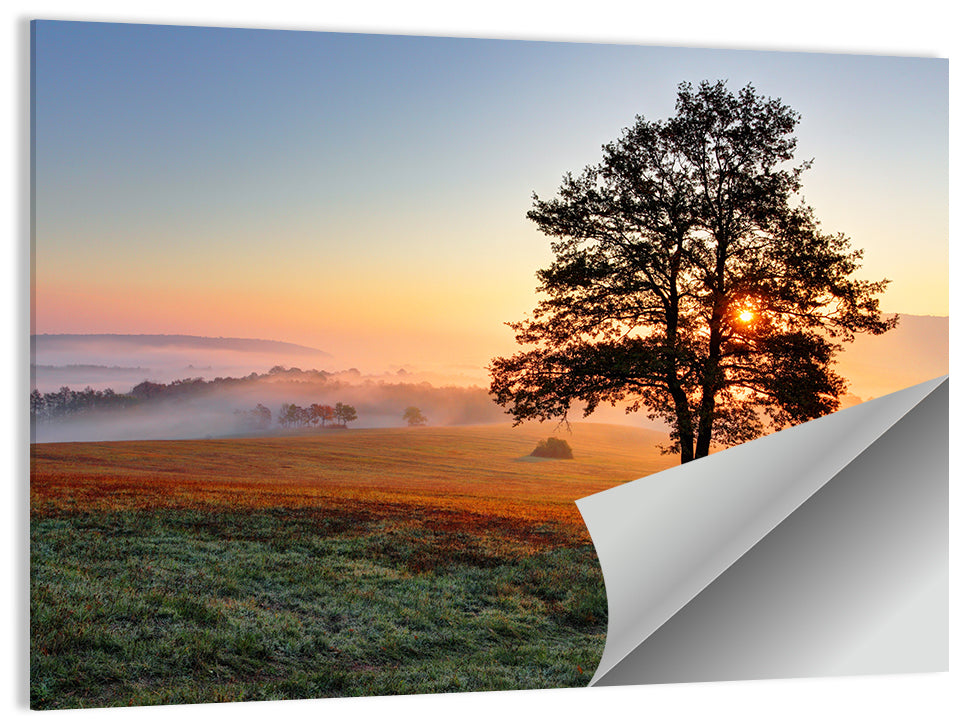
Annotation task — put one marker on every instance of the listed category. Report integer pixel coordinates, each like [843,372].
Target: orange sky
[366,195]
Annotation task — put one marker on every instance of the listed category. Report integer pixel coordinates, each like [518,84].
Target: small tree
[345,413]
[413,416]
[315,415]
[552,448]
[293,416]
[326,413]
[38,405]
[257,419]
[262,416]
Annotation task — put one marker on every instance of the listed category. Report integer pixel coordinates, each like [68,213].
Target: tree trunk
[711,372]
[704,433]
[684,418]
[686,449]
[711,381]
[704,436]
[684,424]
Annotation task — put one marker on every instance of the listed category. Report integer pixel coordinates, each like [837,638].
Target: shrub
[552,448]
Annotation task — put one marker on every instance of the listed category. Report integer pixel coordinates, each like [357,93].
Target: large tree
[691,282]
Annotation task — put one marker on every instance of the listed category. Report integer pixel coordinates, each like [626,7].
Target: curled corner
[818,550]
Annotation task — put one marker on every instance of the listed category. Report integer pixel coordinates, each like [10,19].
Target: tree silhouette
[413,416]
[689,282]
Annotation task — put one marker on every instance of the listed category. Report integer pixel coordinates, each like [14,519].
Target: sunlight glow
[746,316]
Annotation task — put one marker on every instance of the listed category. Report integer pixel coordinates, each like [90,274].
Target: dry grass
[471,476]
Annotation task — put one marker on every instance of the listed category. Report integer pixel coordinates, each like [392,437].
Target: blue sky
[322,187]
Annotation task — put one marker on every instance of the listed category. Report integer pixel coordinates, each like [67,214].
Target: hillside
[83,342]
[120,361]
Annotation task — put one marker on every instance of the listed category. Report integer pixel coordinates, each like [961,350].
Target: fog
[210,411]
[120,362]
[239,375]
[272,374]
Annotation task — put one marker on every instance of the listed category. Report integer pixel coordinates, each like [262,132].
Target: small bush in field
[552,448]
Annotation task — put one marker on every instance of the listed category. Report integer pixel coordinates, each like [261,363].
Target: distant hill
[913,352]
[69,341]
[118,361]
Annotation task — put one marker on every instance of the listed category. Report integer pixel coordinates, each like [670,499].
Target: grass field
[341,563]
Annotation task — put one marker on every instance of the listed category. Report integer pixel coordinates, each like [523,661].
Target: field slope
[326,564]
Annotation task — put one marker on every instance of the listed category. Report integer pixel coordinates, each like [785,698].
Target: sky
[366,194]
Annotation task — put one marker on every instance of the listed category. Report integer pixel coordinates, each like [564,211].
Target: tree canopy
[691,282]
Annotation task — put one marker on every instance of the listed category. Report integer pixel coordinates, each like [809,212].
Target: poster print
[271,456]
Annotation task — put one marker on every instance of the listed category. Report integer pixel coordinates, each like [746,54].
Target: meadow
[338,563]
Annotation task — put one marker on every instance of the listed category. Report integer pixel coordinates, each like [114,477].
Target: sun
[746,316]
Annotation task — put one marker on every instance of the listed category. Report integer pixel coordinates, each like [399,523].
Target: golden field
[471,475]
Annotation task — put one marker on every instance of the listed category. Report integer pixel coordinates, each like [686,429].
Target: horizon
[873,365]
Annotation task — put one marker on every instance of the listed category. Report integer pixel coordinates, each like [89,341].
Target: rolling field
[338,563]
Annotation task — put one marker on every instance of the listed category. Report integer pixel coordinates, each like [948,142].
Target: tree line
[292,415]
[66,402]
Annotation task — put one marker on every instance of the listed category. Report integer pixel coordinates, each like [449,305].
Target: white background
[926,27]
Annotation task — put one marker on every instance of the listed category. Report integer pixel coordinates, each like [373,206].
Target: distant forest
[66,402]
[258,402]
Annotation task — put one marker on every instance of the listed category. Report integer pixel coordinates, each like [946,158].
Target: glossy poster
[273,389]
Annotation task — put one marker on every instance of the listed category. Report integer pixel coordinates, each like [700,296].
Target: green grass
[192,605]
[371,562]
